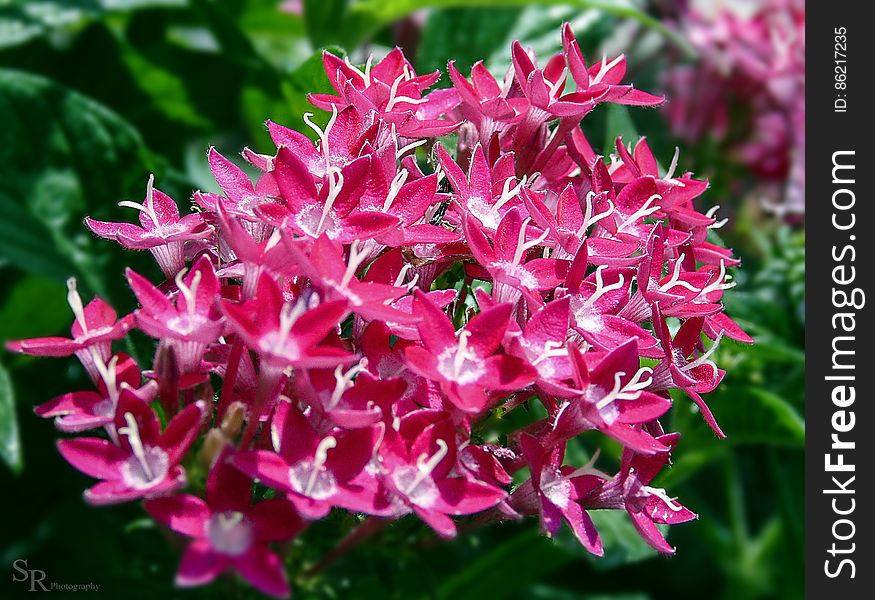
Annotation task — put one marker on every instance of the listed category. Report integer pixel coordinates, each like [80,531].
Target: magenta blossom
[161,230]
[313,471]
[145,462]
[228,531]
[93,331]
[417,471]
[465,363]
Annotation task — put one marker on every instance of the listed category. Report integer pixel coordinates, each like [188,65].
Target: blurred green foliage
[97,94]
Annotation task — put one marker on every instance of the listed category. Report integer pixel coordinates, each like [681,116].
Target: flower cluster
[344,332]
[753,60]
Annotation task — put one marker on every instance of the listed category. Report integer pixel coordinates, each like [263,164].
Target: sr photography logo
[29,578]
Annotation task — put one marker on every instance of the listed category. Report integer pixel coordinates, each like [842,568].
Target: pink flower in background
[751,62]
[391,324]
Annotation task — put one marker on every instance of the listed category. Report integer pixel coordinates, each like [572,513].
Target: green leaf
[366,17]
[62,156]
[538,28]
[23,20]
[321,18]
[465,35]
[504,569]
[619,123]
[758,416]
[10,445]
[34,304]
[687,462]
[545,592]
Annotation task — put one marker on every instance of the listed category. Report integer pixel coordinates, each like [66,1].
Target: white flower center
[230,533]
[416,482]
[311,478]
[459,364]
[142,472]
[147,465]
[555,487]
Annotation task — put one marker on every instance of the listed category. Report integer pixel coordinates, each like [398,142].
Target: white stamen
[600,288]
[404,149]
[425,465]
[630,391]
[704,359]
[721,283]
[663,495]
[674,163]
[675,278]
[107,374]
[588,468]
[323,134]
[366,74]
[522,246]
[288,315]
[461,353]
[356,258]
[335,185]
[397,183]
[189,293]
[606,66]
[133,432]
[508,194]
[394,99]
[718,224]
[75,302]
[552,349]
[319,462]
[344,381]
[642,212]
[554,87]
[149,207]
[588,218]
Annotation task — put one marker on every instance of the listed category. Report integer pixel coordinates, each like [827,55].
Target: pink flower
[348,329]
[645,505]
[286,333]
[81,411]
[487,192]
[557,491]
[542,341]
[315,472]
[506,260]
[336,278]
[161,230]
[145,462]
[464,363]
[390,90]
[418,464]
[611,396]
[751,66]
[331,209]
[188,324]
[694,376]
[93,331]
[228,531]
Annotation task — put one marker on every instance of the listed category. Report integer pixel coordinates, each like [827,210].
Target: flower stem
[230,378]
